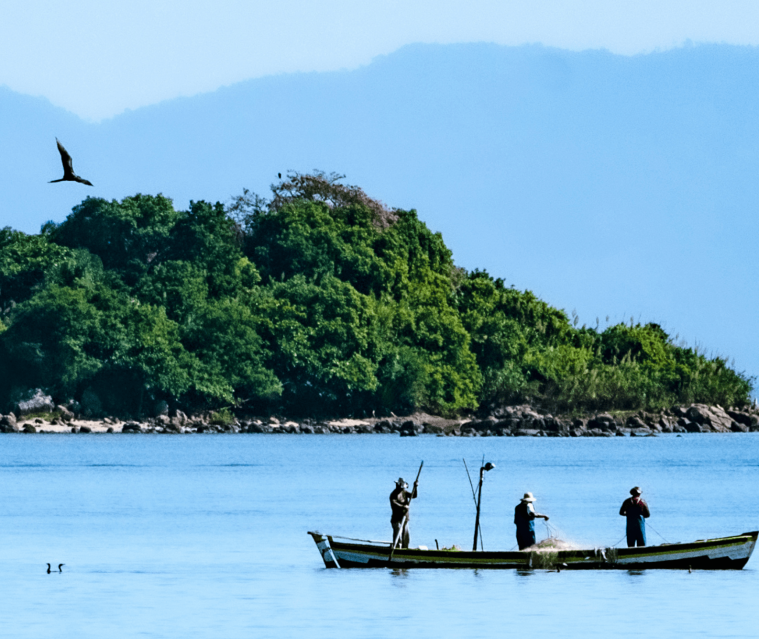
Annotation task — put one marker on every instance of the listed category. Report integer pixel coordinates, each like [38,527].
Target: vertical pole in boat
[474,497]
[487,466]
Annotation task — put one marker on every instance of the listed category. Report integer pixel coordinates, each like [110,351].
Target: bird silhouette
[68,168]
[60,566]
[48,569]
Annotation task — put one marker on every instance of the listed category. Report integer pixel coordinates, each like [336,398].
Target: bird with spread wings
[68,168]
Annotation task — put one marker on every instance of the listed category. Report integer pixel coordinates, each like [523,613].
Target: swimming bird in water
[68,168]
[59,568]
[48,569]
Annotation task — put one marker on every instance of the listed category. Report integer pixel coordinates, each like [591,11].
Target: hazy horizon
[98,60]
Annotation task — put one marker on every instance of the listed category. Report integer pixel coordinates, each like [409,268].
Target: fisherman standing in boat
[524,518]
[400,502]
[636,511]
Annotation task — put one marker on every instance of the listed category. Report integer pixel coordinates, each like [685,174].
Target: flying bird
[68,168]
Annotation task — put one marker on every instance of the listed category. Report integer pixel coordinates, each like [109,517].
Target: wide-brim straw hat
[400,482]
[528,497]
[636,491]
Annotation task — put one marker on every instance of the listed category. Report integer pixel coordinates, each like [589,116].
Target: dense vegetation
[319,300]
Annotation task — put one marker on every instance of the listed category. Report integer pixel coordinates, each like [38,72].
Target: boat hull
[725,553]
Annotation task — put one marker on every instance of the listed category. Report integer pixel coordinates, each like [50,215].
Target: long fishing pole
[474,498]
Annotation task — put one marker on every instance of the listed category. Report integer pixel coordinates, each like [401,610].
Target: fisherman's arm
[413,493]
[644,507]
[396,503]
[623,510]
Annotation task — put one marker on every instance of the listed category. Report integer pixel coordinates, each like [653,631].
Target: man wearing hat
[400,501]
[524,518]
[636,511]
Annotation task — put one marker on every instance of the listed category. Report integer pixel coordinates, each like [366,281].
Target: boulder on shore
[65,413]
[38,402]
[710,418]
[131,427]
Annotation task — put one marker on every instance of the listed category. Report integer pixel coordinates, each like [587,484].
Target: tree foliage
[320,300]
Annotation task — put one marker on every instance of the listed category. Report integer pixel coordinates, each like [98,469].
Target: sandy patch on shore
[95,426]
[342,423]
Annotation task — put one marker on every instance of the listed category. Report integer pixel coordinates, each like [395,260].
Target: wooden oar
[397,537]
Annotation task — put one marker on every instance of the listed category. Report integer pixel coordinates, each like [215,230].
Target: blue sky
[98,58]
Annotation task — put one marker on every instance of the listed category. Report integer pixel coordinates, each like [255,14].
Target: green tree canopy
[319,300]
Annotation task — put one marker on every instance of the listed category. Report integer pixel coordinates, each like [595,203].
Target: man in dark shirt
[400,501]
[524,518]
[636,511]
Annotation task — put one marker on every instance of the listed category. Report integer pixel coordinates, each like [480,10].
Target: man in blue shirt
[524,518]
[636,511]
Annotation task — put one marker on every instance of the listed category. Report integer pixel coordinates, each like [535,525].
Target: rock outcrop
[508,421]
[38,402]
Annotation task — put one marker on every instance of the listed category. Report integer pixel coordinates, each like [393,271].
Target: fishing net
[544,560]
[552,543]
[545,554]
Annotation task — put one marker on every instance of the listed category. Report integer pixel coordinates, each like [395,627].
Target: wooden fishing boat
[710,554]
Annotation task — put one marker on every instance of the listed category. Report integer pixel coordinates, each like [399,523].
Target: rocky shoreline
[509,421]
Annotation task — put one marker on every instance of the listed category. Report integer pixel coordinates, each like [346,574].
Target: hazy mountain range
[613,185]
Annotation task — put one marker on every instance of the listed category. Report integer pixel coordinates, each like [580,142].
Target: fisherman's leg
[636,537]
[525,539]
[406,535]
[521,541]
[396,531]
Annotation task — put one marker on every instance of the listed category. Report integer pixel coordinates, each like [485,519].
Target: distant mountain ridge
[599,181]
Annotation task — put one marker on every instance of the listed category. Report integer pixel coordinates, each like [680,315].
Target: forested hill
[317,301]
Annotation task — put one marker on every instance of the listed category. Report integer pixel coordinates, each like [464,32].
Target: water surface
[205,535]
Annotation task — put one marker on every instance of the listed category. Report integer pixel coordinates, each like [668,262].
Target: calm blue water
[205,536]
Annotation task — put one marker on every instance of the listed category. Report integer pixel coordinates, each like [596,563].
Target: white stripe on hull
[736,552]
